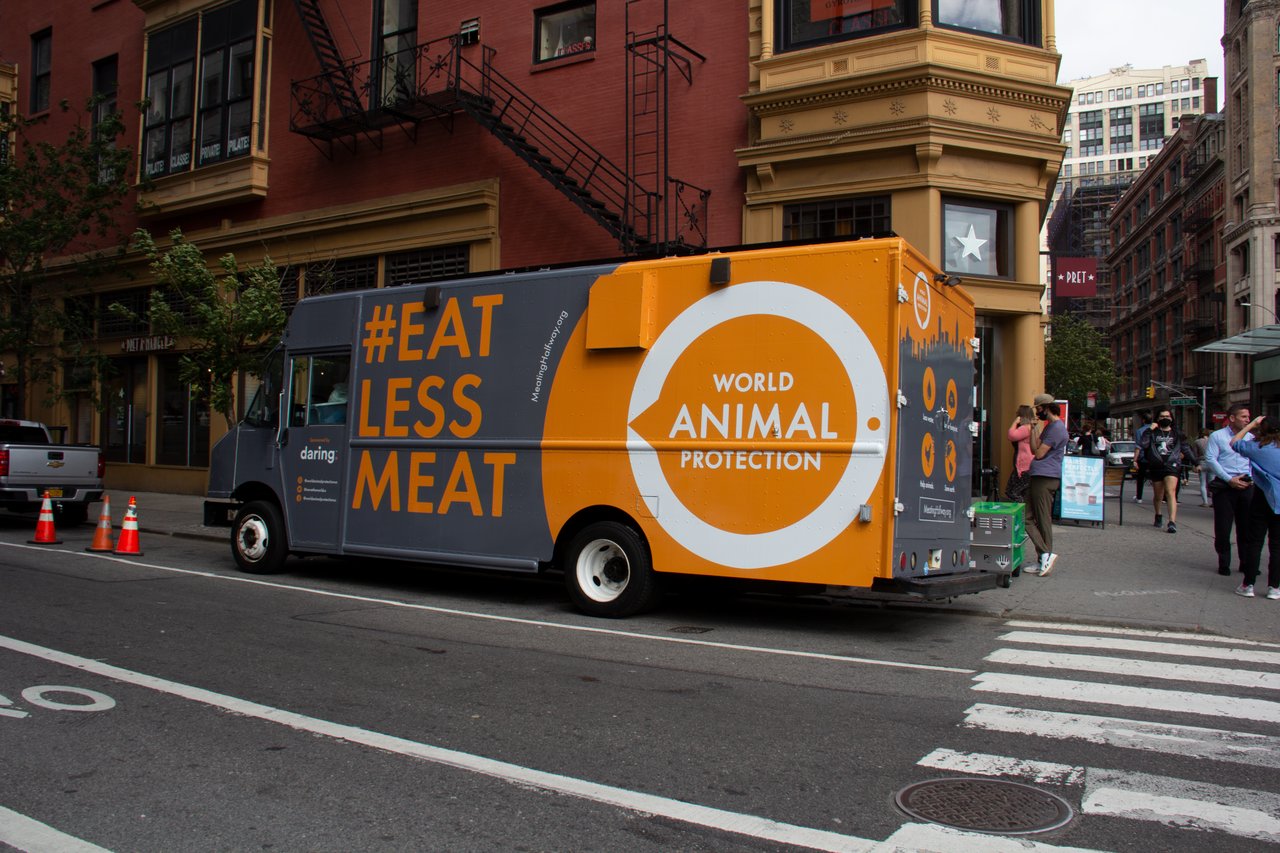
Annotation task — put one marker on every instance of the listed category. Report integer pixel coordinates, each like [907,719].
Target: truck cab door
[313,449]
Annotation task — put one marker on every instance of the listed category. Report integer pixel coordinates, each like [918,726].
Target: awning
[1257,341]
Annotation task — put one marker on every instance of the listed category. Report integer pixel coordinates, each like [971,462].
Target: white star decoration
[1091,277]
[972,244]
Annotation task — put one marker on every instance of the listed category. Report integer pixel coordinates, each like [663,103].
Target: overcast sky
[1095,36]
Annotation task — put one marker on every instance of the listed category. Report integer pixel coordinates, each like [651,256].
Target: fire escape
[641,205]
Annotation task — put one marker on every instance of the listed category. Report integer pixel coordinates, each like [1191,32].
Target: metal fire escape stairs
[641,206]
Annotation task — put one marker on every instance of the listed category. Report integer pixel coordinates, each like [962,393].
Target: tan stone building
[941,121]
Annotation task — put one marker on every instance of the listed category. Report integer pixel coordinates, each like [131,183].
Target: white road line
[1137,632]
[1041,772]
[931,838]
[1180,701]
[1137,667]
[515,620]
[1185,741]
[32,836]
[1180,803]
[1234,655]
[712,818]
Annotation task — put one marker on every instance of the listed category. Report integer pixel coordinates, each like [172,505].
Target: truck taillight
[102,464]
[4,463]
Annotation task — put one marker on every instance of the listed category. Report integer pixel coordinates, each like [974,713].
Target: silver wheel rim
[253,539]
[603,570]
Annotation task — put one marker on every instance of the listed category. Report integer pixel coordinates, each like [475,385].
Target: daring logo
[758,424]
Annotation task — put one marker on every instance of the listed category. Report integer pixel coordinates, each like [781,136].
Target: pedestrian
[1145,425]
[1048,446]
[1165,450]
[1231,486]
[1102,442]
[1264,524]
[1202,445]
[1020,434]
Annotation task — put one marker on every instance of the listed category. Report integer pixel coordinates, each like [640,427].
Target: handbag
[1016,488]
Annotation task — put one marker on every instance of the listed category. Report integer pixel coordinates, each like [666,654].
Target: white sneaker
[1049,560]
[1245,589]
[1273,592]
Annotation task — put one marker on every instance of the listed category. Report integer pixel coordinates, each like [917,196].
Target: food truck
[799,414]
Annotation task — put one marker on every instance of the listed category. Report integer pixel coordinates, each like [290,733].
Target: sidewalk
[1133,575]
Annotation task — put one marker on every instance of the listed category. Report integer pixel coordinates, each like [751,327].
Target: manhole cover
[984,805]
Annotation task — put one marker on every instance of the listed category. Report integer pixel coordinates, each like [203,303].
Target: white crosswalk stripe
[1097,670]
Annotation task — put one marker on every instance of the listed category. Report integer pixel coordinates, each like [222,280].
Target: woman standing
[1164,449]
[1264,459]
[1020,434]
[1201,445]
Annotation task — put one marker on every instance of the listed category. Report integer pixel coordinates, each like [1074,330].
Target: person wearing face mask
[1048,446]
[1165,450]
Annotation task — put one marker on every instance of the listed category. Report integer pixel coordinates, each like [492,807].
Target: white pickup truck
[31,464]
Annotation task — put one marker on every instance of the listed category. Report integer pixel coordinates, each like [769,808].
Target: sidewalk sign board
[1081,491]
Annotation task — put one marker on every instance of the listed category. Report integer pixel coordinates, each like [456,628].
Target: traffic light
[1151,392]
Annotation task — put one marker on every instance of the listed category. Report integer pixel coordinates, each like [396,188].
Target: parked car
[31,464]
[1121,453]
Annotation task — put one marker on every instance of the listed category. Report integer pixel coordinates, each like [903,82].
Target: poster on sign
[1081,491]
[1075,277]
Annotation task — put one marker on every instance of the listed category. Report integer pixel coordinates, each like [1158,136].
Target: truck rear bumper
[69,495]
[939,586]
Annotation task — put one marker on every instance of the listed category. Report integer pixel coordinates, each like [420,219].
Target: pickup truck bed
[31,464]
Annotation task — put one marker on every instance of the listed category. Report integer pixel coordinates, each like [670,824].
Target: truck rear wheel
[608,572]
[257,538]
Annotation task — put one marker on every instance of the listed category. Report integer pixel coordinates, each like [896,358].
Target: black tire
[608,571]
[258,539]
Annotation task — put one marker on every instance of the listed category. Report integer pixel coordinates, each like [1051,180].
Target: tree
[226,319]
[55,198]
[1077,360]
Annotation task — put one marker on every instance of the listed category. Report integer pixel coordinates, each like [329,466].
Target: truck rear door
[314,448]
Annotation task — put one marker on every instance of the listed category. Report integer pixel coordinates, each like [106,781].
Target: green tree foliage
[1077,360]
[224,319]
[57,200]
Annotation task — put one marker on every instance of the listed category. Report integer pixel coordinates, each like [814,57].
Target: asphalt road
[167,702]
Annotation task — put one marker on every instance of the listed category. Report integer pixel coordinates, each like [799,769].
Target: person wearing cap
[1048,446]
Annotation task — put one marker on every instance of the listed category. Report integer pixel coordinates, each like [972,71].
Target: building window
[564,30]
[223,100]
[171,56]
[806,23]
[867,216]
[977,238]
[428,265]
[396,26]
[41,70]
[183,434]
[124,415]
[113,325]
[1013,19]
[105,102]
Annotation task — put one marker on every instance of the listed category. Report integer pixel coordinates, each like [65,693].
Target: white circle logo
[923,300]
[865,374]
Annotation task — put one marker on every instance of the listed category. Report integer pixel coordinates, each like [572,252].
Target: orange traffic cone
[45,534]
[102,535]
[128,543]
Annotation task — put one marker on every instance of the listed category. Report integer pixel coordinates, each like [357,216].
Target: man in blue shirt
[1048,446]
[1231,487]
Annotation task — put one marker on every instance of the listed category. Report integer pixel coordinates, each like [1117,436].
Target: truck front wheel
[257,538]
[608,572]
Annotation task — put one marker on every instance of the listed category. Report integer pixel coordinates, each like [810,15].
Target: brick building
[373,143]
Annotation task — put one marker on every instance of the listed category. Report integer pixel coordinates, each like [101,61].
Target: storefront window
[182,437]
[805,23]
[124,421]
[867,216]
[564,30]
[1014,19]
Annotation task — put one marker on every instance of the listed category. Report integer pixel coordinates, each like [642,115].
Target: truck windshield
[262,411]
[18,434]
